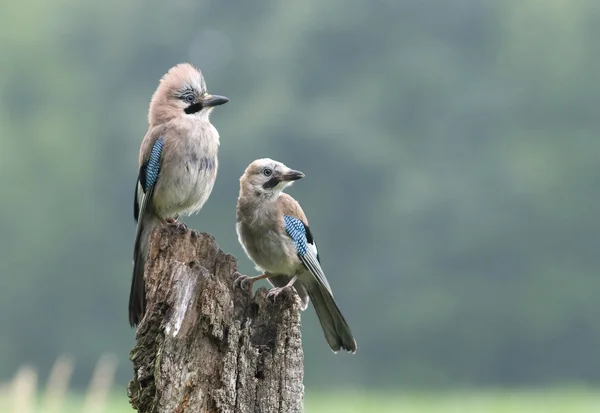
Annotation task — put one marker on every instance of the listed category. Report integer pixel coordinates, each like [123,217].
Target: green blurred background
[451,153]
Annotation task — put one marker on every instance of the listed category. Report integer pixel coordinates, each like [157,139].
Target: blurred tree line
[451,158]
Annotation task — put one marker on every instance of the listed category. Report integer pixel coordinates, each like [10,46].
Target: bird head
[268,177]
[182,92]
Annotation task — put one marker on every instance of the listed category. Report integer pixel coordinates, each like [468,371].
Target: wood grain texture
[203,347]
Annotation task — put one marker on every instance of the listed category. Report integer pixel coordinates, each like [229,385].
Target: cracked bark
[203,346]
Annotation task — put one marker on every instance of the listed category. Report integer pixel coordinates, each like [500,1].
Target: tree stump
[203,346]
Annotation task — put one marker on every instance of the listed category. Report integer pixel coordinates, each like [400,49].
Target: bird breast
[188,172]
[202,172]
[271,251]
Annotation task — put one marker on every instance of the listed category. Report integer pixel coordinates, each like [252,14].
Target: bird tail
[336,329]
[137,296]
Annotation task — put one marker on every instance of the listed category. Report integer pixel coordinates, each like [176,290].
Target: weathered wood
[203,346]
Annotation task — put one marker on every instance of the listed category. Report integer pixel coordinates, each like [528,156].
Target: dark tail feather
[335,327]
[137,295]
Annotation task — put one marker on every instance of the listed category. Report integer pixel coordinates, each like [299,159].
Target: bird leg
[244,282]
[275,291]
[172,220]
[179,224]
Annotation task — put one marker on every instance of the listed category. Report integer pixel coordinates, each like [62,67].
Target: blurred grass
[555,401]
[572,401]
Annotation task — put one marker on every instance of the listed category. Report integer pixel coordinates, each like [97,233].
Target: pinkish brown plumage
[165,105]
[177,163]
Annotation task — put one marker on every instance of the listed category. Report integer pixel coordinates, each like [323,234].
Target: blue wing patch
[153,166]
[148,175]
[309,256]
[295,229]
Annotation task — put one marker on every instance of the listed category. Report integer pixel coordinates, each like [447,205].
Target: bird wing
[146,182]
[149,161]
[336,329]
[306,247]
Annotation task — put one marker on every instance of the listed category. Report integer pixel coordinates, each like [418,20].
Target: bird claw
[172,220]
[179,225]
[275,291]
[243,282]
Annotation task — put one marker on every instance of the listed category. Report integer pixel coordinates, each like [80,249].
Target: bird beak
[292,175]
[214,100]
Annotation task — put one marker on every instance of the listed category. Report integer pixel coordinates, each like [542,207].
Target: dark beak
[292,176]
[214,100]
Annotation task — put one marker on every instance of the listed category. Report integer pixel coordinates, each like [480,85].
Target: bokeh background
[451,153]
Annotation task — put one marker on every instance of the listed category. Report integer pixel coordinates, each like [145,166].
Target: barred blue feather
[295,228]
[153,166]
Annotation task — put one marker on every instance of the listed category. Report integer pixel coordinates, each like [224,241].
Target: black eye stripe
[271,183]
[193,108]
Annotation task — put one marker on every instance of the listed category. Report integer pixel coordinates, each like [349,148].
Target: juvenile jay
[274,233]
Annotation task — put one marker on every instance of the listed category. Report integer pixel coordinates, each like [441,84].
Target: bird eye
[267,172]
[189,98]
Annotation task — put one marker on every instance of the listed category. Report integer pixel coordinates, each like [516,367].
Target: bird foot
[275,291]
[179,225]
[243,282]
[172,220]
